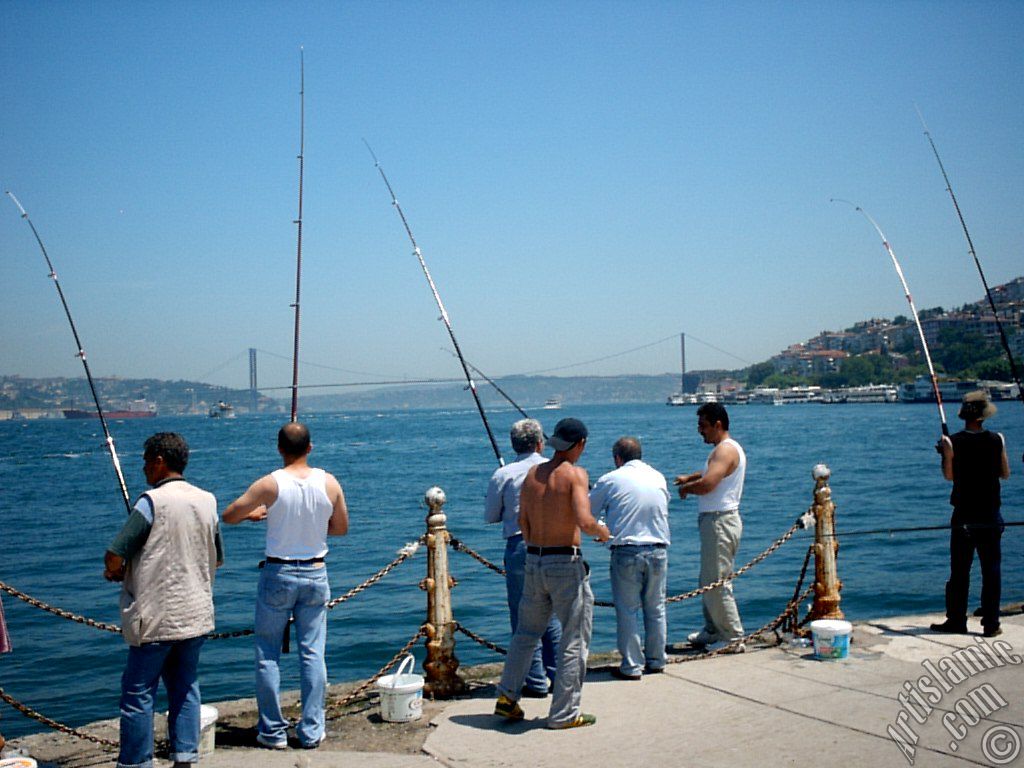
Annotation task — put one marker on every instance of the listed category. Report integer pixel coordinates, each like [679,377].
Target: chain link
[32,714]
[59,611]
[459,546]
[334,708]
[716,584]
[484,642]
[406,552]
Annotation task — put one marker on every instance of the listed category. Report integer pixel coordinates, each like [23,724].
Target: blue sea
[60,507]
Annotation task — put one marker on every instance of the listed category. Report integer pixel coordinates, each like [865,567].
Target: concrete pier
[774,705]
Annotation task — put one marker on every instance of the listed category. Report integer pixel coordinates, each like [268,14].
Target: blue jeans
[638,575]
[176,661]
[545,656]
[558,584]
[284,591]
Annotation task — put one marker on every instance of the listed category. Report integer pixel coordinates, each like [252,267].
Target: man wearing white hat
[974,460]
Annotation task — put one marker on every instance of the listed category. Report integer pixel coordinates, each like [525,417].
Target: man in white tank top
[719,489]
[302,506]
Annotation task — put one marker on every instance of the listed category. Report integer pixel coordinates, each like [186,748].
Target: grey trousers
[719,539]
[557,584]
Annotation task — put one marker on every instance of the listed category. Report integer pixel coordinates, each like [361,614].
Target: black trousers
[966,539]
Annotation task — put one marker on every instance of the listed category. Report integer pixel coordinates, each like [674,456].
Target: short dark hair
[627,449]
[171,446]
[293,439]
[714,412]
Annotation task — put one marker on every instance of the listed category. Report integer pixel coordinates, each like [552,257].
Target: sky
[583,178]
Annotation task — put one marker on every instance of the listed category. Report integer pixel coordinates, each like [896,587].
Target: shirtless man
[719,489]
[553,509]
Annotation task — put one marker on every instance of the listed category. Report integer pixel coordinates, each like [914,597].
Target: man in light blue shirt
[502,506]
[634,500]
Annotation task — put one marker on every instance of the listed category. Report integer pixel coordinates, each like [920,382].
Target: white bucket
[207,729]
[18,762]
[401,694]
[831,638]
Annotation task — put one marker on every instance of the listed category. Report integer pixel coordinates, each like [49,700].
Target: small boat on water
[553,403]
[681,399]
[137,409]
[222,410]
[870,393]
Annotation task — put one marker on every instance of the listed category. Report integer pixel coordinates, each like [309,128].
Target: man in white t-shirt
[719,489]
[302,506]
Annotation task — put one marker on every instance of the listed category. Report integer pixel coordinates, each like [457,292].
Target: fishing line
[977,263]
[916,529]
[444,313]
[298,223]
[913,311]
[80,356]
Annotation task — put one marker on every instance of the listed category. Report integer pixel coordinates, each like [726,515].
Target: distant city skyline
[583,179]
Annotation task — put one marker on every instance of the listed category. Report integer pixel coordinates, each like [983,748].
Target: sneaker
[702,637]
[949,628]
[992,632]
[530,693]
[726,646]
[618,674]
[649,670]
[266,743]
[317,743]
[582,720]
[508,709]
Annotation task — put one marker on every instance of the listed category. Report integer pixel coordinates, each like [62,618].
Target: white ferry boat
[681,399]
[870,393]
[222,410]
[553,403]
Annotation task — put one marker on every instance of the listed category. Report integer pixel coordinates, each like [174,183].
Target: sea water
[60,507]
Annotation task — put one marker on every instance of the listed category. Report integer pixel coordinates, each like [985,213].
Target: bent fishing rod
[471,385]
[501,391]
[80,356]
[913,311]
[977,263]
[298,223]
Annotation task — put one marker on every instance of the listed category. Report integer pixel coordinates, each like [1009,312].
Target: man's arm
[129,540]
[581,507]
[338,524]
[945,447]
[722,463]
[492,502]
[252,505]
[1004,472]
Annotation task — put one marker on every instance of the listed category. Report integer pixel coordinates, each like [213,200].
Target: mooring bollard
[441,665]
[826,545]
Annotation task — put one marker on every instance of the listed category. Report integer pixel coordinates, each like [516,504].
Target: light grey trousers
[558,584]
[719,539]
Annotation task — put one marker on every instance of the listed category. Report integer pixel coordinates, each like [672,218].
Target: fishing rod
[298,223]
[444,313]
[501,391]
[913,311]
[977,263]
[80,356]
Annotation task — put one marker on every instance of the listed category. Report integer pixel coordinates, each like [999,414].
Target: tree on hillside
[757,373]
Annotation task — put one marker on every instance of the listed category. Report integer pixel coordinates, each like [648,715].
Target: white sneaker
[722,644]
[268,744]
[701,637]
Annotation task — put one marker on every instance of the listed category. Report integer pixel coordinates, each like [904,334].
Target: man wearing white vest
[166,555]
[719,489]
[302,506]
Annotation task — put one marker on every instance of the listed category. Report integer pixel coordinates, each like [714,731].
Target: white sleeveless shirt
[726,496]
[297,521]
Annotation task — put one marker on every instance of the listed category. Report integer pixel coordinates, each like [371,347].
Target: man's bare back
[554,505]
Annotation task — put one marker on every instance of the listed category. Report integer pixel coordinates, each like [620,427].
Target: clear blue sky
[582,178]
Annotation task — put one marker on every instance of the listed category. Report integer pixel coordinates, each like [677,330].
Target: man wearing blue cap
[553,509]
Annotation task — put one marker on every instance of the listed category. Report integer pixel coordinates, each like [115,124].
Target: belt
[282,561]
[532,550]
[655,545]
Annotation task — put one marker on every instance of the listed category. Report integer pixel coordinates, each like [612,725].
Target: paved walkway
[772,706]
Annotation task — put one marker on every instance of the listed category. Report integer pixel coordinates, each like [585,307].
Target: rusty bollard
[826,545]
[442,680]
